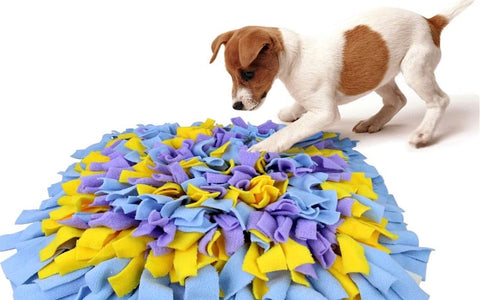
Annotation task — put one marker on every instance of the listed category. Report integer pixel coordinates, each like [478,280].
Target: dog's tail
[439,21]
[455,9]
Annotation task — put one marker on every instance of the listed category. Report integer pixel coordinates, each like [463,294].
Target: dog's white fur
[310,68]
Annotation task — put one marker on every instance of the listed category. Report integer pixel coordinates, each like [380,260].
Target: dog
[363,56]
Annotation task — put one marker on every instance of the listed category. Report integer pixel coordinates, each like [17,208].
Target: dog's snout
[238,105]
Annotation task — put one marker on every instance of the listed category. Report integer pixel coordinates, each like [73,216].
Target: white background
[73,70]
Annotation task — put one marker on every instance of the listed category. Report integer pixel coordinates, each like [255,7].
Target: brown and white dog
[321,73]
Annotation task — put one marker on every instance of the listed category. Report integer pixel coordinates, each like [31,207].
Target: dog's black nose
[238,105]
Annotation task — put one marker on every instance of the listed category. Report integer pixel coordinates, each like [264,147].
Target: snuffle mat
[171,212]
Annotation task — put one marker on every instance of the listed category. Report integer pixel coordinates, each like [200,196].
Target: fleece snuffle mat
[169,212]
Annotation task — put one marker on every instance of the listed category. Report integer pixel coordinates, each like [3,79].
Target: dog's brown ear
[219,41]
[252,44]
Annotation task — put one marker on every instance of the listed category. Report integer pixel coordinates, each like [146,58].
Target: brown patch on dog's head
[437,23]
[252,59]
[365,61]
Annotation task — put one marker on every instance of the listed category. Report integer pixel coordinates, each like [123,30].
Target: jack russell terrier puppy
[320,74]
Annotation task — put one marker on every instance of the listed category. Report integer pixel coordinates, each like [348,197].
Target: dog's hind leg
[418,68]
[393,101]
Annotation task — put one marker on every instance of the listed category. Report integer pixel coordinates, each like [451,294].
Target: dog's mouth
[248,103]
[256,104]
[259,102]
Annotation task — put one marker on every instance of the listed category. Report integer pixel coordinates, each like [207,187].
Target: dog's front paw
[290,113]
[267,145]
[286,115]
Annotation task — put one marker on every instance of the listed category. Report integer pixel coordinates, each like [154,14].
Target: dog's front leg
[314,120]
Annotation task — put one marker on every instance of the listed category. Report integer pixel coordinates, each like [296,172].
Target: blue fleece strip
[154,288]
[232,278]
[203,286]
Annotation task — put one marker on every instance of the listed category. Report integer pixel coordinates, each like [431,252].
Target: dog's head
[252,59]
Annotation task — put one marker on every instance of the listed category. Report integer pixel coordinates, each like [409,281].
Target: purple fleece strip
[112,220]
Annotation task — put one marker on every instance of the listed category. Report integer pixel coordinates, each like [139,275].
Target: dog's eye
[246,76]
